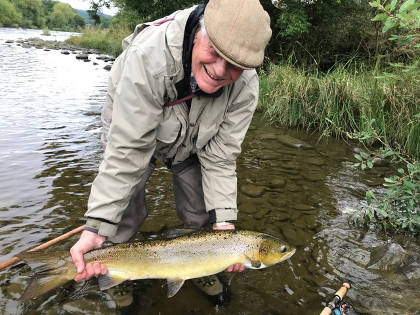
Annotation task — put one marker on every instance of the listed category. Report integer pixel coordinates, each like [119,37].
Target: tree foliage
[40,14]
[9,16]
[63,17]
[318,32]
[32,13]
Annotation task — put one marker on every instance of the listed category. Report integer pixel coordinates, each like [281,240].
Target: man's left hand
[235,267]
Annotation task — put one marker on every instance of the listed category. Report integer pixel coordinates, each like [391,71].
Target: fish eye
[283,249]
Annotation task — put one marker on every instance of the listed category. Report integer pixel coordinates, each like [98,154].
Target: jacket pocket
[168,131]
[205,133]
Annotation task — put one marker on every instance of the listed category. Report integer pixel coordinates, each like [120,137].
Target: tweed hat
[238,30]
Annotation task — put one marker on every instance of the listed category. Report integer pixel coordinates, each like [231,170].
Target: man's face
[209,69]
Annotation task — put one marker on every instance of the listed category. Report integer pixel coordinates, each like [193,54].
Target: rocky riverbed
[80,53]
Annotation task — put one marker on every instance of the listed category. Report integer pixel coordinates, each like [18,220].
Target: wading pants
[189,199]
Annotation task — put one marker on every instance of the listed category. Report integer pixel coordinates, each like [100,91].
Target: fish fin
[174,285]
[255,264]
[107,281]
[51,271]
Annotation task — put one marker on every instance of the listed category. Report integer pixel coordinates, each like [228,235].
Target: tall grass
[107,41]
[348,100]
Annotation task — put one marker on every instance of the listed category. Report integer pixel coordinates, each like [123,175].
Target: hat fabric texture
[239,31]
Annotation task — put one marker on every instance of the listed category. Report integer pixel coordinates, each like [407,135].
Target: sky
[85,4]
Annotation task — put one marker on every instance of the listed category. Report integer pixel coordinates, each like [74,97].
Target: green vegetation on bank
[40,14]
[347,100]
[374,102]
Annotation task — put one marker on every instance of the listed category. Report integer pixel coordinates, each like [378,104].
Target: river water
[50,106]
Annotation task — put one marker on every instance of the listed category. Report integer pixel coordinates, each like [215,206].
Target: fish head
[272,250]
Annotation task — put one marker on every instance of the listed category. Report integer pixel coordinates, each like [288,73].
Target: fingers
[93,269]
[236,267]
[88,241]
[77,256]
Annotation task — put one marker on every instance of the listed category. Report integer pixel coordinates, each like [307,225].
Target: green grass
[349,100]
[107,41]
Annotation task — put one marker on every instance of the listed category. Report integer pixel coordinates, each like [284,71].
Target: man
[183,91]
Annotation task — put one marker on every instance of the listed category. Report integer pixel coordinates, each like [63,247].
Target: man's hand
[235,267]
[87,241]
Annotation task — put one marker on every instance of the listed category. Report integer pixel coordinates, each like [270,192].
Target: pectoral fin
[107,281]
[174,285]
[255,264]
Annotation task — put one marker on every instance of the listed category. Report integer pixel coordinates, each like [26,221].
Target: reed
[107,41]
[349,100]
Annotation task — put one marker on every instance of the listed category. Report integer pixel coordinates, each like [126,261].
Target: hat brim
[230,60]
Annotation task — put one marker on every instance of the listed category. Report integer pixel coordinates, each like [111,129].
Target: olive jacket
[138,125]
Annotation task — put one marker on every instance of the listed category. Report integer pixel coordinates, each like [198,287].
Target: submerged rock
[82,56]
[277,183]
[313,176]
[252,190]
[293,142]
[387,257]
[315,161]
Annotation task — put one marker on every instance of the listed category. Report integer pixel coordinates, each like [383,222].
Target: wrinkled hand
[235,267]
[87,241]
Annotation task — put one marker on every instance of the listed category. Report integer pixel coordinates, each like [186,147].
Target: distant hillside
[85,15]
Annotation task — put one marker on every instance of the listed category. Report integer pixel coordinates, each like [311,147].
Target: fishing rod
[67,235]
[335,305]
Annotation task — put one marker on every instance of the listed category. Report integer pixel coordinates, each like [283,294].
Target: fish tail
[51,271]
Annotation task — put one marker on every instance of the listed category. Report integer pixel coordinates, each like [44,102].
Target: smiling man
[183,92]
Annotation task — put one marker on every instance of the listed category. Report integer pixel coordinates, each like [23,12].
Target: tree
[32,13]
[63,17]
[9,16]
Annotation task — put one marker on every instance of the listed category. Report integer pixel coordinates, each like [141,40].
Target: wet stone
[293,142]
[289,165]
[303,207]
[262,212]
[379,162]
[293,187]
[65,52]
[315,161]
[269,136]
[289,171]
[276,202]
[9,41]
[269,156]
[280,215]
[313,176]
[108,67]
[252,190]
[277,183]
[412,271]
[82,56]
[387,257]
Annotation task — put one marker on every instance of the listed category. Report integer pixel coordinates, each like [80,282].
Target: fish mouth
[289,254]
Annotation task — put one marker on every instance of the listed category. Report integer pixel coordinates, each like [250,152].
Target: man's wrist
[223,223]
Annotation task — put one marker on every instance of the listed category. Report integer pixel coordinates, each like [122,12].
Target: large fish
[185,257]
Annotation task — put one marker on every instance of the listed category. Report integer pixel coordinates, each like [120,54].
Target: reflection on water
[300,190]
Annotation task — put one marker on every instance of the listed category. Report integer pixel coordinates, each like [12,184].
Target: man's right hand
[87,241]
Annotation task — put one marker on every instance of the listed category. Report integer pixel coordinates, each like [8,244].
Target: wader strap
[186,98]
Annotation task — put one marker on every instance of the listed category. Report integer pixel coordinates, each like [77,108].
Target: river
[50,106]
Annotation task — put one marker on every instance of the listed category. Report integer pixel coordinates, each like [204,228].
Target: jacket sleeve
[218,157]
[137,110]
